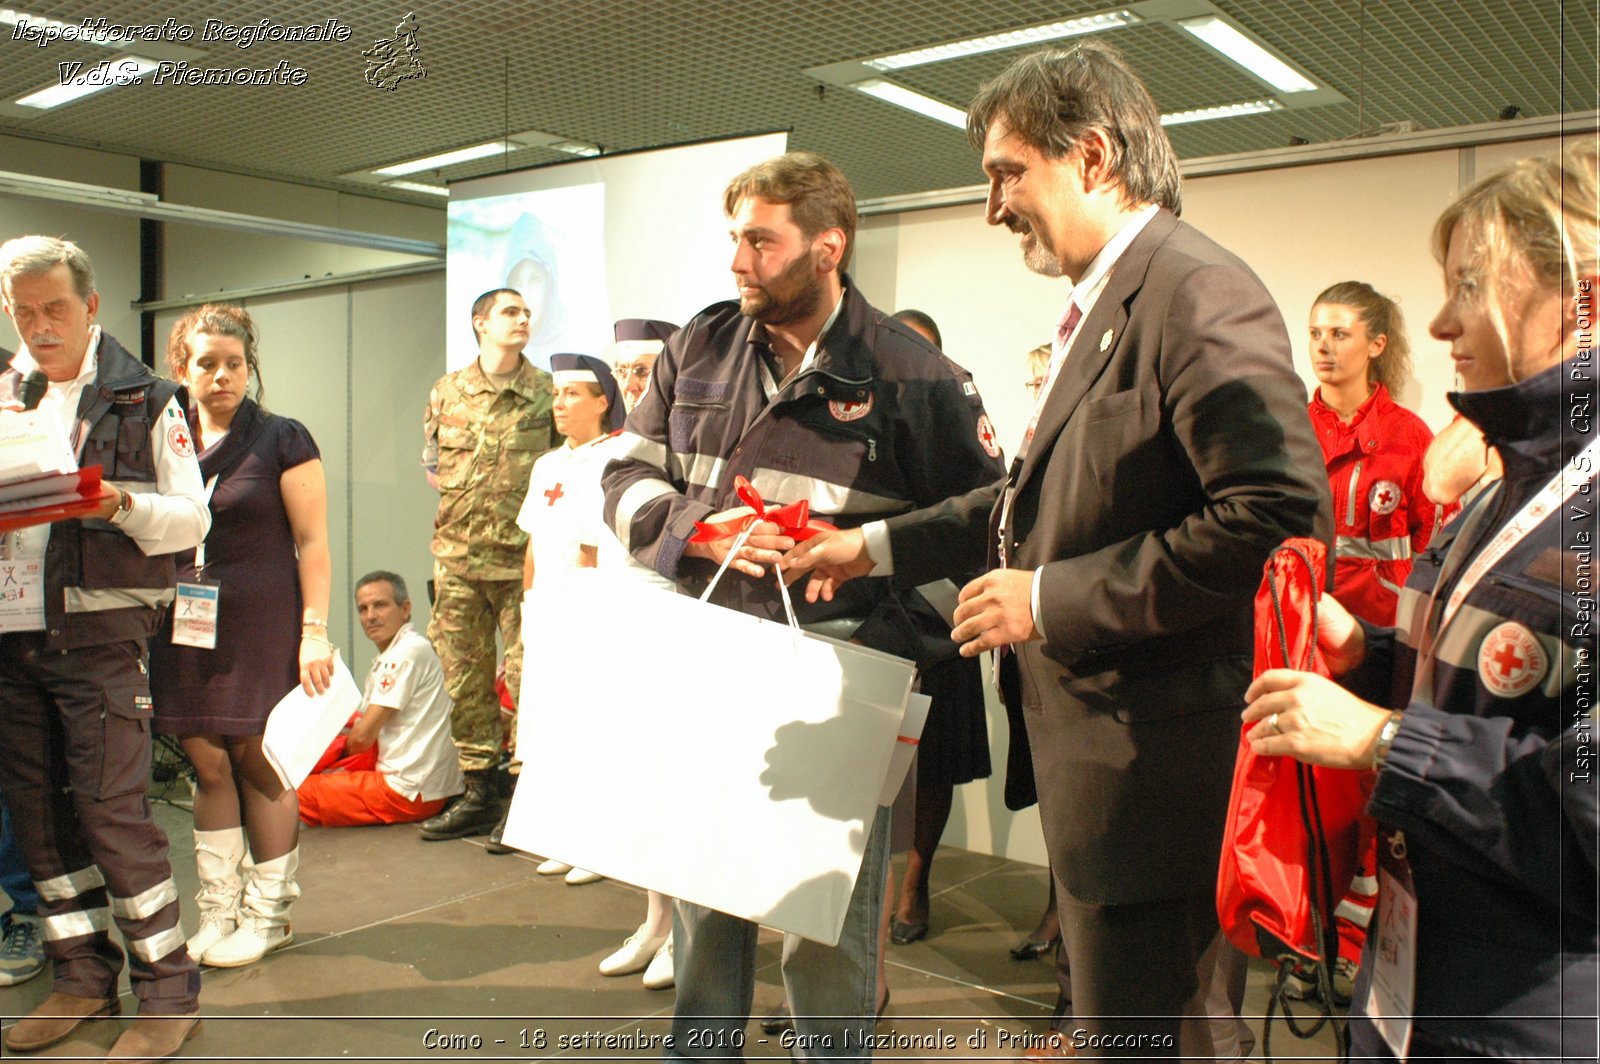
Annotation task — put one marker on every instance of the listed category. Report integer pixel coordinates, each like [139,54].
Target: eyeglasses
[638,373]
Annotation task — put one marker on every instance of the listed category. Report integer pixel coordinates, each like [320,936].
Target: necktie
[1058,356]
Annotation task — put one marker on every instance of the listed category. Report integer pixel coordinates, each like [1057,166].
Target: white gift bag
[699,751]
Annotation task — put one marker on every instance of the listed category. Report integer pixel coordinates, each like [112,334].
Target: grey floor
[403,945]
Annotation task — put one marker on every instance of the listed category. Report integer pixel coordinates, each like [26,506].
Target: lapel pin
[1105,340]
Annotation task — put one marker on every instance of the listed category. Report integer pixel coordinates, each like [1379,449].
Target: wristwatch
[1391,728]
[124,506]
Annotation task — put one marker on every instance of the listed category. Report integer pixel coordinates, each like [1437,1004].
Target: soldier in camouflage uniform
[484,427]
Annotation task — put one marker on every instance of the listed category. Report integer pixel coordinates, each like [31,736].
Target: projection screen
[633,235]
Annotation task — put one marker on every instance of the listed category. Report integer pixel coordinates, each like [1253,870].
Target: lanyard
[1546,501]
[200,548]
[1551,497]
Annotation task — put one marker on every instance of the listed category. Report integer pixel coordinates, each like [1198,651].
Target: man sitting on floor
[397,764]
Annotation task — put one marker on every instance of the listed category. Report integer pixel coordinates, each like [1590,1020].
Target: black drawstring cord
[1325,929]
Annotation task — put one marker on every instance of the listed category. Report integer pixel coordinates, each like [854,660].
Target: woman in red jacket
[1373,447]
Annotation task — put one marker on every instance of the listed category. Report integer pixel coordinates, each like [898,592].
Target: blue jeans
[14,878]
[832,990]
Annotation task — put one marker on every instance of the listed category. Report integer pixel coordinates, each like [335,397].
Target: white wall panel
[203,260]
[1488,158]
[1303,229]
[112,240]
[397,352]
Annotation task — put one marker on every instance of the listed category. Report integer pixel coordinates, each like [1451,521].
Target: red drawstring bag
[1293,833]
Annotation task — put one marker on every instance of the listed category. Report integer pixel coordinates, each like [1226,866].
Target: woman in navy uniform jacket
[1485,793]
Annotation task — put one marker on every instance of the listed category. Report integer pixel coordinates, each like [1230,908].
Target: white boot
[263,914]
[217,855]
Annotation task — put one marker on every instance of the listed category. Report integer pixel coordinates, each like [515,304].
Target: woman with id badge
[249,623]
[1484,941]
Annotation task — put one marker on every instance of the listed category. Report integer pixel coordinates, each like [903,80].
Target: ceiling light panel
[107,74]
[444,159]
[1228,40]
[573,147]
[900,96]
[993,42]
[1227,110]
[417,186]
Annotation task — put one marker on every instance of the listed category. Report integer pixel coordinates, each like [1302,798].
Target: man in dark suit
[1169,453]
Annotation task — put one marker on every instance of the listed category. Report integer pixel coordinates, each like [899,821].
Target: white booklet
[301,726]
[32,444]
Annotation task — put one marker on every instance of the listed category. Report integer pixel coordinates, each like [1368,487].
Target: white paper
[301,726]
[33,444]
[1391,996]
[714,731]
[905,745]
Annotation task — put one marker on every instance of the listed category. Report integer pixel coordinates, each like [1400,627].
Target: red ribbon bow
[793,520]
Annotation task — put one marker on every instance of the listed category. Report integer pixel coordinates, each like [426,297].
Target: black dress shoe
[778,1020]
[903,934]
[494,845]
[1031,948]
[781,1019]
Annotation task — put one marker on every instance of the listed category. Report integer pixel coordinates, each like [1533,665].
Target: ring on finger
[1272,722]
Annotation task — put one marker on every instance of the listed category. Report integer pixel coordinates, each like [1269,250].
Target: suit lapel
[1096,340]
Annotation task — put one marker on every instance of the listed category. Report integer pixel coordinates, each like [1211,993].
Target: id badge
[1391,998]
[22,595]
[194,615]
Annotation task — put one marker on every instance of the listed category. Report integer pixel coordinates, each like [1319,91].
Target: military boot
[476,812]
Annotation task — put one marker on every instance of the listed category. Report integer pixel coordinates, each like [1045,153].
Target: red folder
[51,497]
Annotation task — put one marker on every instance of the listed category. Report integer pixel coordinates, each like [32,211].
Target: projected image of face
[534,262]
[774,265]
[532,278]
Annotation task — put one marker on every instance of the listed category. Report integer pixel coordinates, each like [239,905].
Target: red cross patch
[850,411]
[553,494]
[180,441]
[1385,497]
[986,436]
[386,684]
[1511,660]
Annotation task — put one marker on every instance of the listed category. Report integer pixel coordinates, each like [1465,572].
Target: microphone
[33,389]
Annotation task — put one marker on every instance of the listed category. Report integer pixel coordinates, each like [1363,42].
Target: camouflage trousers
[466,613]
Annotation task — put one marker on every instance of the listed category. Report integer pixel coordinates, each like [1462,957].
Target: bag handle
[783,588]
